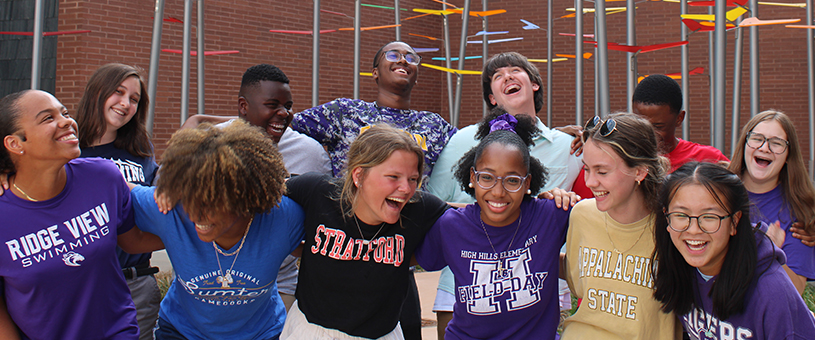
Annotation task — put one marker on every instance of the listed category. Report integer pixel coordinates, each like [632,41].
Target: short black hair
[260,72]
[382,49]
[659,89]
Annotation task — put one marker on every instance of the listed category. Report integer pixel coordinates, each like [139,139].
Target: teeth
[396,199]
[400,71]
[512,89]
[120,112]
[67,137]
[497,205]
[203,227]
[600,193]
[695,243]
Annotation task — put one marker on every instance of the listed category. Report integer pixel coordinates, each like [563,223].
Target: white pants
[297,327]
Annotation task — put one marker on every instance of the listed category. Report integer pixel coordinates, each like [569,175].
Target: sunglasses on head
[606,127]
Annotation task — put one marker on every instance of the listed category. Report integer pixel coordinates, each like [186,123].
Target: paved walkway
[426,281]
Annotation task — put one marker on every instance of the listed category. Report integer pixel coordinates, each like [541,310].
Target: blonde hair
[799,192]
[371,148]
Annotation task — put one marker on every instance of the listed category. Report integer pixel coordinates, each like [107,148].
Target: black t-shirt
[342,285]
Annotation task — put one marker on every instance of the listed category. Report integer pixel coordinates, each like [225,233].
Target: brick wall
[122,33]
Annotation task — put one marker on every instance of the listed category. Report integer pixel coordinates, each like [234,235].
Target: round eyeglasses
[606,126]
[486,181]
[708,223]
[776,145]
[394,56]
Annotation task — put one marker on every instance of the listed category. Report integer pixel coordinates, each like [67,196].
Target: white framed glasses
[486,180]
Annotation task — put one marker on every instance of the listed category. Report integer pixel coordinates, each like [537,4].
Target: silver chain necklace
[225,279]
[364,241]
[501,269]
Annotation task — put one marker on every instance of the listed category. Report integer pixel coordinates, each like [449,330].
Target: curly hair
[521,139]
[236,169]
[90,115]
[373,147]
[659,89]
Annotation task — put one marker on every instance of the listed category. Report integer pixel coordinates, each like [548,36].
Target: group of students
[650,253]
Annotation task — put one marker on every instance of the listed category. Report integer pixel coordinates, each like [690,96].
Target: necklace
[226,278]
[364,241]
[23,192]
[605,222]
[502,272]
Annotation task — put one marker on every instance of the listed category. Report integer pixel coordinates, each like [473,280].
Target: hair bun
[505,121]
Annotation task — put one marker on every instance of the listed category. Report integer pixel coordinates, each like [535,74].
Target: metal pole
[549,29]
[484,49]
[461,50]
[357,38]
[36,53]
[737,66]
[602,56]
[710,77]
[398,21]
[185,61]
[631,62]
[448,62]
[152,76]
[685,80]
[201,50]
[719,81]
[315,56]
[578,62]
[755,95]
[811,88]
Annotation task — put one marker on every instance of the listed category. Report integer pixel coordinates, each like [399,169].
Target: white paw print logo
[72,259]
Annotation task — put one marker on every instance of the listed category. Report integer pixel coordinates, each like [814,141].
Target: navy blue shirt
[134,169]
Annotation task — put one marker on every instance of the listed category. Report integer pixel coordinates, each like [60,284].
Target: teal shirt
[551,148]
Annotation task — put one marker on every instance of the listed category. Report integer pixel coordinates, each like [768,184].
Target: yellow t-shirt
[613,278]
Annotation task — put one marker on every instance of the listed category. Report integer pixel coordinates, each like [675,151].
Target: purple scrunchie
[505,121]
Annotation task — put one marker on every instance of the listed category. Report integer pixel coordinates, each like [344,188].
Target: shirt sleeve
[800,258]
[126,218]
[301,188]
[429,254]
[147,216]
[323,123]
[295,218]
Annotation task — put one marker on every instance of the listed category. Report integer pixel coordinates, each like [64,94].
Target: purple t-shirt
[770,207]
[523,302]
[773,309]
[60,275]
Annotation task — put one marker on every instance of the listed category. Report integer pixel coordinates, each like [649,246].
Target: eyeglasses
[394,56]
[775,144]
[487,181]
[708,223]
[606,127]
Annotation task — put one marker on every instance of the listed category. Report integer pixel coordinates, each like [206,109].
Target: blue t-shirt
[197,303]
[773,207]
[134,169]
[523,299]
[59,274]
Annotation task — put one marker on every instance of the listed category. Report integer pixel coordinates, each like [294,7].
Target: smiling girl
[713,269]
[361,232]
[503,251]
[768,159]
[610,238]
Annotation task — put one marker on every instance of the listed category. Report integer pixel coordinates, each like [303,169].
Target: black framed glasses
[486,180]
[606,126]
[776,145]
[708,223]
[394,56]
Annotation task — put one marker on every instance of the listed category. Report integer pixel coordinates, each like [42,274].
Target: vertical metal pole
[578,62]
[602,56]
[152,76]
[185,61]
[448,62]
[201,50]
[549,30]
[484,48]
[461,54]
[315,56]
[685,76]
[397,21]
[755,95]
[596,81]
[357,38]
[719,81]
[811,89]
[631,61]
[710,77]
[737,66]
[36,53]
